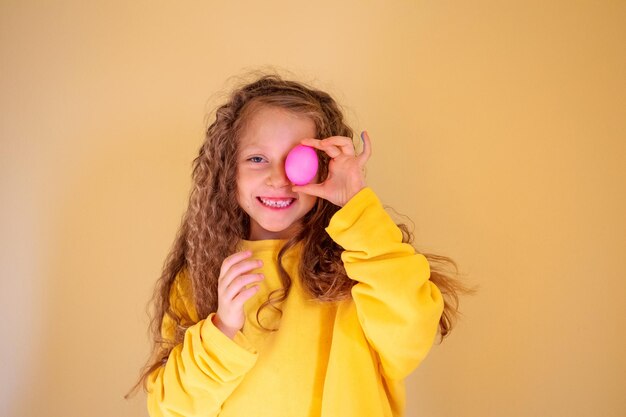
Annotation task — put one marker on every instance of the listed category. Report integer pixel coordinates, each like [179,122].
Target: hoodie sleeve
[202,371]
[397,305]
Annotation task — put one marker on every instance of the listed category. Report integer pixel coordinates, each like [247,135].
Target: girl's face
[263,189]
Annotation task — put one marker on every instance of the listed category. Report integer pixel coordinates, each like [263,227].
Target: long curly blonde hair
[214,224]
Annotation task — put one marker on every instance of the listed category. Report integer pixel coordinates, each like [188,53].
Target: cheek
[244,182]
[309,201]
[241,191]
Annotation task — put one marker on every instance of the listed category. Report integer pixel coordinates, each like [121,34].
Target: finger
[367,148]
[239,283]
[243,296]
[330,150]
[316,190]
[233,259]
[333,146]
[238,269]
[342,142]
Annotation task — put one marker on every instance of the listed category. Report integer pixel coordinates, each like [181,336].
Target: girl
[283,300]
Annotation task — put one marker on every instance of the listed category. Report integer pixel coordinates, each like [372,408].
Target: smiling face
[263,189]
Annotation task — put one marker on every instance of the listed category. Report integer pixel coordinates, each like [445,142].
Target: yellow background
[497,127]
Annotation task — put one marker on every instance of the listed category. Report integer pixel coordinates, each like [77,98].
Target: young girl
[284,300]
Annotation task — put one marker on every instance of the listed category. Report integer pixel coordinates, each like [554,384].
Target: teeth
[276,203]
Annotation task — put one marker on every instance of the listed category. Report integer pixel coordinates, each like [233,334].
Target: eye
[256,159]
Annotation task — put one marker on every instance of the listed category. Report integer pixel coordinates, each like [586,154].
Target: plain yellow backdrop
[497,127]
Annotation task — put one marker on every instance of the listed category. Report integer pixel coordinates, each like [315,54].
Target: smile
[276,202]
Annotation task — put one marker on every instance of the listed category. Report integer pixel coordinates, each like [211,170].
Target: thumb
[316,190]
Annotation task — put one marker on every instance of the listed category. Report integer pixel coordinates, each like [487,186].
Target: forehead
[273,126]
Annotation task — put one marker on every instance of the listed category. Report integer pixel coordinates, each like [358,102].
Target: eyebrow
[251,148]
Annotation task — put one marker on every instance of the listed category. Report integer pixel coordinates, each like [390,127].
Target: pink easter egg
[301,165]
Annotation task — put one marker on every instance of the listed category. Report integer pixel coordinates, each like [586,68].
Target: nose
[278,177]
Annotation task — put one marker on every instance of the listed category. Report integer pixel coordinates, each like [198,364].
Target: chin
[281,232]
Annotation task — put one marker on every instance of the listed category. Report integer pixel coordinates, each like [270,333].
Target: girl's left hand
[346,170]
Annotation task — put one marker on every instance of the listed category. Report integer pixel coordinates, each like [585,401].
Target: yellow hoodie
[330,359]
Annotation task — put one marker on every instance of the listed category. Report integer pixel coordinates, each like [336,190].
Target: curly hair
[214,224]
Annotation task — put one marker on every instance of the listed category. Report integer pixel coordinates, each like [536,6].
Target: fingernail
[362,136]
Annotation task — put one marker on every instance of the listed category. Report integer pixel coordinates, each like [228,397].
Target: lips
[276,202]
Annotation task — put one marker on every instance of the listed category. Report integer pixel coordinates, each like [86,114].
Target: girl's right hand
[231,291]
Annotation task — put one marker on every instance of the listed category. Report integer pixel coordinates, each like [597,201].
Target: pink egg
[301,165]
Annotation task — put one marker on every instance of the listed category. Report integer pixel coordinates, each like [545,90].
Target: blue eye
[256,159]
